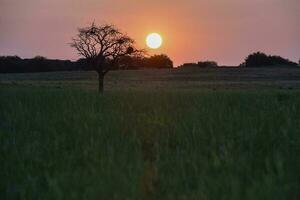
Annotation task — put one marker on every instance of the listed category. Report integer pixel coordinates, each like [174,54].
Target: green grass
[75,144]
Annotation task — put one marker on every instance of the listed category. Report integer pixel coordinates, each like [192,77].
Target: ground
[170,134]
[167,79]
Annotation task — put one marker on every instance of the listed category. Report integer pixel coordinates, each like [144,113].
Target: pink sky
[221,30]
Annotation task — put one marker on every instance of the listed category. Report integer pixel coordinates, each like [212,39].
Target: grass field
[61,141]
[166,79]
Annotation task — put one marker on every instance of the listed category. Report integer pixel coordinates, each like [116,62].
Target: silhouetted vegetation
[103,46]
[15,64]
[158,61]
[207,64]
[140,62]
[202,64]
[260,59]
[129,62]
[189,65]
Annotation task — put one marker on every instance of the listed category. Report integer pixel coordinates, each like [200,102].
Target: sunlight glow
[154,40]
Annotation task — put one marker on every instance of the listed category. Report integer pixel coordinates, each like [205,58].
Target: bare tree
[102,46]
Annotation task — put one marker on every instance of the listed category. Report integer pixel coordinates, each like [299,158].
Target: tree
[207,64]
[102,46]
[40,58]
[140,61]
[131,62]
[259,59]
[158,61]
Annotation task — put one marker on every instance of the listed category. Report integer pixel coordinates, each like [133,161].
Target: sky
[222,30]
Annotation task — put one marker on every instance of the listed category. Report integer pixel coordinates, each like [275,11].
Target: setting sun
[154,40]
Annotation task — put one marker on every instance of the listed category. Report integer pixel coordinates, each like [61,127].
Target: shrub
[260,59]
[207,64]
[158,61]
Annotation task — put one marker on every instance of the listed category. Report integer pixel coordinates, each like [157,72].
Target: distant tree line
[257,59]
[15,64]
[201,64]
[157,61]
[260,59]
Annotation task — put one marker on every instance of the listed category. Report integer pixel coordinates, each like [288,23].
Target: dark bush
[158,61]
[184,65]
[129,62]
[201,64]
[260,59]
[207,64]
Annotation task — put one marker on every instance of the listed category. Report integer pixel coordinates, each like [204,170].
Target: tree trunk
[101,82]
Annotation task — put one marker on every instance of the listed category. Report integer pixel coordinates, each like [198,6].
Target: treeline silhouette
[157,61]
[202,64]
[15,64]
[260,59]
[257,59]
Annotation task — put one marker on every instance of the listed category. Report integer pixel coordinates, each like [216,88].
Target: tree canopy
[103,46]
[260,59]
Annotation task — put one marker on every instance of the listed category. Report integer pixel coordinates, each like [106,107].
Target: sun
[154,40]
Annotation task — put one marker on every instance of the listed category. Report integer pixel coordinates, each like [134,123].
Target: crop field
[170,134]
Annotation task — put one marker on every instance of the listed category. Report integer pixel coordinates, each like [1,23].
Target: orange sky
[221,30]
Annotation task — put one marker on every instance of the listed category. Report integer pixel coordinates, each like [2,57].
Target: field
[170,134]
[165,79]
